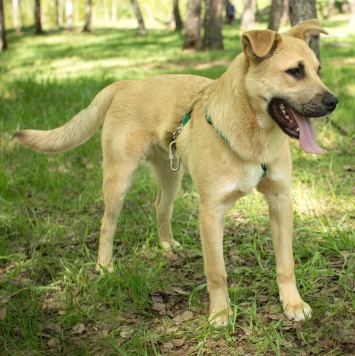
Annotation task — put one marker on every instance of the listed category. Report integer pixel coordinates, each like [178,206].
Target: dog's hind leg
[122,153]
[117,180]
[169,184]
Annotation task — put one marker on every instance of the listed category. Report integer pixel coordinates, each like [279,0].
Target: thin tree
[69,15]
[352,13]
[192,37]
[141,27]
[330,8]
[248,17]
[3,43]
[278,10]
[176,15]
[114,11]
[38,21]
[213,38]
[58,12]
[88,12]
[301,10]
[16,15]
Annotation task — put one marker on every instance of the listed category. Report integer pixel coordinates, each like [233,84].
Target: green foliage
[104,12]
[51,299]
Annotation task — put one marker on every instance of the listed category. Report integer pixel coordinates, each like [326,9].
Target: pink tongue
[308,141]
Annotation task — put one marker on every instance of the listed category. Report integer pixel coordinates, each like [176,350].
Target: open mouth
[294,125]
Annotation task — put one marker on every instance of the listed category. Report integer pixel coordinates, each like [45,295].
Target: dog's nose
[330,102]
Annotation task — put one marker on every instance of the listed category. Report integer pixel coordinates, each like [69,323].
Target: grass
[51,299]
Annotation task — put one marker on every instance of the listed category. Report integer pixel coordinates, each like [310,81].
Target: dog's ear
[306,29]
[260,44]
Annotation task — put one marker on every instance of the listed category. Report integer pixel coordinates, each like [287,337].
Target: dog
[230,134]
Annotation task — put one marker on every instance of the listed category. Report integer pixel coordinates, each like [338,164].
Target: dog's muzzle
[294,120]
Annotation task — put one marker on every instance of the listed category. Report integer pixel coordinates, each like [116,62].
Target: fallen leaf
[298,328]
[78,329]
[126,332]
[104,333]
[157,298]
[52,343]
[221,343]
[176,291]
[277,317]
[349,168]
[2,313]
[178,342]
[159,308]
[53,327]
[44,335]
[184,317]
[172,330]
[99,335]
[168,345]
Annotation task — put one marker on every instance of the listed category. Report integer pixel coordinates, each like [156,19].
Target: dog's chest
[242,182]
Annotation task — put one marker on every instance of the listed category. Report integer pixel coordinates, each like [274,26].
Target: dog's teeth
[298,129]
[282,107]
[287,117]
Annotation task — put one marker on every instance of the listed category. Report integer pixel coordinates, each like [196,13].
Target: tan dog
[233,140]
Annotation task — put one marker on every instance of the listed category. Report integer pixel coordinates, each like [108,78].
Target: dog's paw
[220,318]
[170,245]
[102,269]
[297,312]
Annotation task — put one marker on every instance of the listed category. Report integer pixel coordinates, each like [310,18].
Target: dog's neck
[226,103]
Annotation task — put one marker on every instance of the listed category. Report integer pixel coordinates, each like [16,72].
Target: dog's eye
[296,72]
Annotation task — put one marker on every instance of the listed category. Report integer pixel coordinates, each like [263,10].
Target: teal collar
[209,120]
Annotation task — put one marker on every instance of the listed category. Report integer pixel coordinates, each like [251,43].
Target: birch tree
[192,36]
[301,10]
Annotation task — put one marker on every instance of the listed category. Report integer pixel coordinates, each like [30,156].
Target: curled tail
[76,131]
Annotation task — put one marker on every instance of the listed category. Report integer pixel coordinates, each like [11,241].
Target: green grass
[51,299]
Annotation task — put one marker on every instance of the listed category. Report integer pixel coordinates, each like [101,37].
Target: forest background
[155,303]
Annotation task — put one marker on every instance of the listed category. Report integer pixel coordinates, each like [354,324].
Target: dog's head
[283,80]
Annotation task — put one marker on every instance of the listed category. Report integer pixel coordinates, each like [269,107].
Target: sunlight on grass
[155,302]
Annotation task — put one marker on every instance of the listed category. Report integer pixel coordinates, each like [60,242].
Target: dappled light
[156,302]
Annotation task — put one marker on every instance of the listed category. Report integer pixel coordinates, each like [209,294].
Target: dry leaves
[2,313]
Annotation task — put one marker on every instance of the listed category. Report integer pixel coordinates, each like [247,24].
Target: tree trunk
[114,11]
[277,11]
[213,38]
[106,11]
[3,43]
[56,6]
[141,27]
[248,17]
[176,15]
[69,15]
[330,8]
[16,15]
[192,38]
[352,14]
[58,12]
[38,21]
[88,11]
[301,10]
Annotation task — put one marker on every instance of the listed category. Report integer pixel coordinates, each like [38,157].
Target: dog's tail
[76,131]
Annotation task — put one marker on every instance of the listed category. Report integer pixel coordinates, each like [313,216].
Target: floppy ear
[260,44]
[306,29]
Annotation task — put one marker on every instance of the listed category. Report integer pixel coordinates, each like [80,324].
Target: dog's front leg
[281,220]
[211,229]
